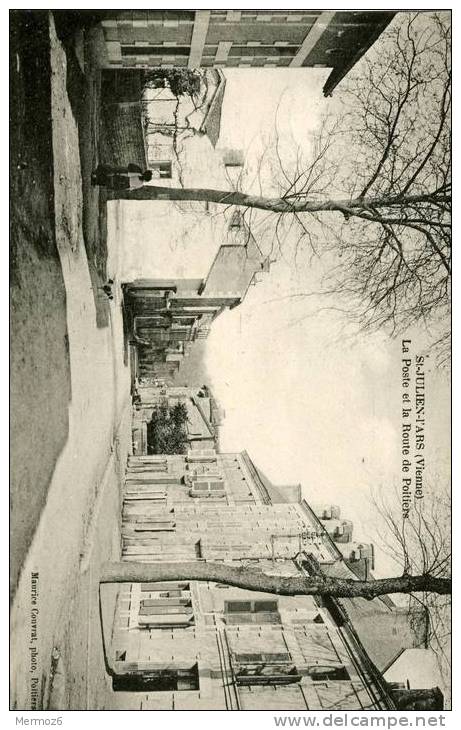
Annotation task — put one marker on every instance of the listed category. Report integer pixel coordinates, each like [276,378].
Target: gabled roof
[416,666]
[280,493]
[235,266]
[209,429]
[393,660]
[211,124]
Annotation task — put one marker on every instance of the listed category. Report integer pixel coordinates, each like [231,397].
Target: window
[273,668]
[198,470]
[203,487]
[265,606]
[155,50]
[253,606]
[247,53]
[170,586]
[157,617]
[167,605]
[157,680]
[251,612]
[145,464]
[268,658]
[161,169]
[216,487]
[155,526]
[324,673]
[201,456]
[237,606]
[170,594]
[153,608]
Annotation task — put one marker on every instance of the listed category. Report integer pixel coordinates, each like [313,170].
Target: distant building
[243,38]
[202,645]
[192,645]
[415,669]
[163,317]
[175,137]
[181,133]
[341,533]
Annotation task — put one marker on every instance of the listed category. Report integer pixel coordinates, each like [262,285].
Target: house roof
[212,121]
[393,660]
[383,627]
[417,666]
[207,427]
[356,43]
[280,493]
[235,266]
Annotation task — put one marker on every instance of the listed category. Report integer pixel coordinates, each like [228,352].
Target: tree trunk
[276,205]
[253,580]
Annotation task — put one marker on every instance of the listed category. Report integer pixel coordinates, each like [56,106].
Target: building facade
[202,645]
[182,131]
[175,137]
[164,317]
[243,38]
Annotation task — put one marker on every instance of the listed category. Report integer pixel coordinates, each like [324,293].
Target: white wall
[156,240]
[165,239]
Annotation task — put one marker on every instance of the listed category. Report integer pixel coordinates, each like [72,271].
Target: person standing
[120,178]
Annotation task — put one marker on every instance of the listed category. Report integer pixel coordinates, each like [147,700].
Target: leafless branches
[396,249]
[373,189]
[421,544]
[375,192]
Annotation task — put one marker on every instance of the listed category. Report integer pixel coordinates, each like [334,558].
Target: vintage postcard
[230,236]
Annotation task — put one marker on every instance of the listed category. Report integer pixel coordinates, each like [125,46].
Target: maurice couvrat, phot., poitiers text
[33,644]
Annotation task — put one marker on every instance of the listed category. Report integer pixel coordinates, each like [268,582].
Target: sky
[311,403]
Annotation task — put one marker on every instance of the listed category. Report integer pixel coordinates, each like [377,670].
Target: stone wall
[121,122]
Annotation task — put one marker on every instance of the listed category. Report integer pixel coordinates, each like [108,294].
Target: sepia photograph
[230,361]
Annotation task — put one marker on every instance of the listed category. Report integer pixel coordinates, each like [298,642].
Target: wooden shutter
[265,606]
[237,606]
[162,609]
[165,586]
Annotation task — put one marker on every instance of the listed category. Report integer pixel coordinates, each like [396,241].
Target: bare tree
[254,580]
[375,189]
[420,544]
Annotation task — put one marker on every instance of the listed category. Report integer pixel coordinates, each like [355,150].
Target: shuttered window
[251,612]
[203,487]
[156,609]
[155,526]
[234,619]
[265,606]
[251,606]
[169,586]
[167,604]
[166,620]
[237,606]
[201,455]
[266,658]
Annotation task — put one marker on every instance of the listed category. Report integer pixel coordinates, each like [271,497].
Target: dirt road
[55,604]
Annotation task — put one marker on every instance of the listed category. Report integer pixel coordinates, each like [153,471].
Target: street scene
[230,271]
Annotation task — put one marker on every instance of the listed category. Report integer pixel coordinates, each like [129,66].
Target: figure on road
[120,178]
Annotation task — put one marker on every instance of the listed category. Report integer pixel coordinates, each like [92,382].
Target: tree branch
[130,572]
